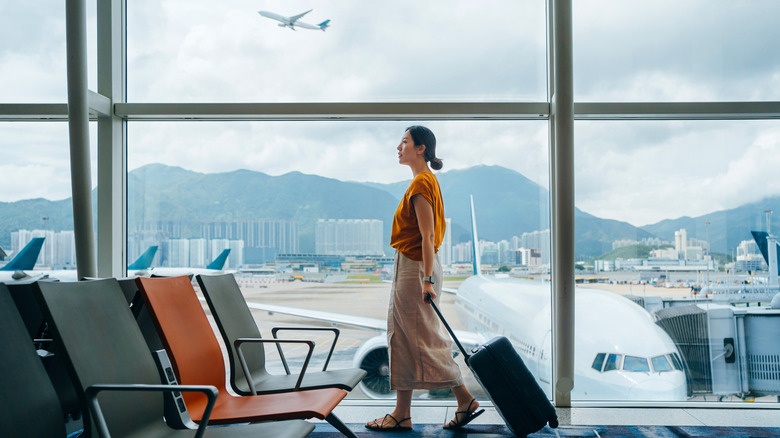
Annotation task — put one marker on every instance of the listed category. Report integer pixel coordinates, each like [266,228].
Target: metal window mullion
[676,110]
[112,146]
[374,111]
[562,198]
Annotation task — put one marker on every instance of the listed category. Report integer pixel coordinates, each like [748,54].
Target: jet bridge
[727,350]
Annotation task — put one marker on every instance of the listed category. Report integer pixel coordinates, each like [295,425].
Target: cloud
[35,160]
[696,168]
[703,49]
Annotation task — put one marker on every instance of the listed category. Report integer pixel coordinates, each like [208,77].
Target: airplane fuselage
[292,22]
[605,323]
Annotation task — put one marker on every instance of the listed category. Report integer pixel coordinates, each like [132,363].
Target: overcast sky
[208,51]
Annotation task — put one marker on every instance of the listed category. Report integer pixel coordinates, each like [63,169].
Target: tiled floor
[436,414]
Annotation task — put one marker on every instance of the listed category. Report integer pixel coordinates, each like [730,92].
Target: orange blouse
[406,236]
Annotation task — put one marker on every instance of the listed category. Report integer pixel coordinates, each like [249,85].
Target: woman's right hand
[428,289]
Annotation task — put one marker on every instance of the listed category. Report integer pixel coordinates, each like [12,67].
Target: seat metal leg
[339,425]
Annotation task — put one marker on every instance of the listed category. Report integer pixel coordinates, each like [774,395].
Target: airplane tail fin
[475,241]
[324,25]
[761,238]
[145,260]
[25,260]
[219,262]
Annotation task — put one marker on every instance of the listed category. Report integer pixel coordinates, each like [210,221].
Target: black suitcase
[515,394]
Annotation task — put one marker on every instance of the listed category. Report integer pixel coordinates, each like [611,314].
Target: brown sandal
[380,427]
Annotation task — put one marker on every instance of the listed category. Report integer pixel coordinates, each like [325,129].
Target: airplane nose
[654,389]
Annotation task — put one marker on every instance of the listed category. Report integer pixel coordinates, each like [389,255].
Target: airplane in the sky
[23,261]
[215,267]
[294,21]
[620,353]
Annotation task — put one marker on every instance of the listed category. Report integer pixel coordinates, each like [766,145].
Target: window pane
[668,50]
[667,214]
[35,196]
[272,191]
[205,51]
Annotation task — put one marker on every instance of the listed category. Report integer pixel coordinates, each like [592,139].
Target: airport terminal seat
[105,352]
[197,359]
[29,405]
[141,313]
[37,330]
[234,320]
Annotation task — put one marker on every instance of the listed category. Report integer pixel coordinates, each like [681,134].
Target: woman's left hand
[428,289]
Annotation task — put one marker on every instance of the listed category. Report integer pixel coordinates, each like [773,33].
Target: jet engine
[373,357]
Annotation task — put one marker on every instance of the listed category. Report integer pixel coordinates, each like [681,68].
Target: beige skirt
[420,347]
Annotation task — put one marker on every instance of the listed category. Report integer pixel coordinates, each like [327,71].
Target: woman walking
[420,352]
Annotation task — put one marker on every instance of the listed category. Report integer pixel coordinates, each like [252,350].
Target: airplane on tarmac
[620,353]
[23,261]
[215,267]
[293,21]
[139,267]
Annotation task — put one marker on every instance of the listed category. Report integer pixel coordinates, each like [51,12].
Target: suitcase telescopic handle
[447,326]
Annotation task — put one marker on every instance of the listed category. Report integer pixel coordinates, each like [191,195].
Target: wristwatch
[429,279]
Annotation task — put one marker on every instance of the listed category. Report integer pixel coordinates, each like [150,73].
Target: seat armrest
[238,343]
[93,390]
[336,333]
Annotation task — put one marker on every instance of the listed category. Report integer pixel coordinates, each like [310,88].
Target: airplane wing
[337,318]
[295,18]
[468,339]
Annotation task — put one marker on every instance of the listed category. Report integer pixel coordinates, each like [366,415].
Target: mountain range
[507,204]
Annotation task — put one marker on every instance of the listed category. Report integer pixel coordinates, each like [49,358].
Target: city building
[749,257]
[445,250]
[349,237]
[279,234]
[58,251]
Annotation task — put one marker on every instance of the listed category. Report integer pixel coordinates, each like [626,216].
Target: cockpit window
[610,361]
[599,361]
[676,361]
[635,363]
[661,364]
[613,362]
